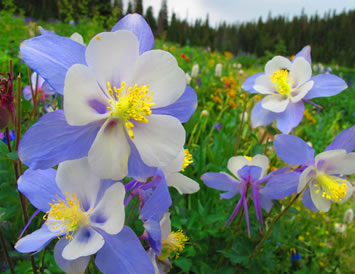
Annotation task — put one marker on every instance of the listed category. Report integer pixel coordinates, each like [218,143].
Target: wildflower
[204,112]
[217,126]
[135,105]
[349,216]
[43,89]
[249,173]
[218,70]
[87,213]
[287,85]
[188,78]
[295,255]
[340,228]
[321,177]
[195,70]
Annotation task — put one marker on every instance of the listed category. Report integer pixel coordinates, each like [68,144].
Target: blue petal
[291,117]
[261,116]
[69,266]
[183,108]
[35,241]
[265,202]
[123,253]
[306,54]
[220,181]
[250,173]
[307,200]
[152,226]
[344,140]
[250,81]
[51,140]
[51,56]
[158,203]
[280,186]
[228,195]
[137,168]
[326,85]
[137,24]
[293,150]
[40,188]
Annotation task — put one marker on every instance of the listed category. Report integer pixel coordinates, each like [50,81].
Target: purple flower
[88,213]
[43,89]
[249,173]
[287,84]
[321,177]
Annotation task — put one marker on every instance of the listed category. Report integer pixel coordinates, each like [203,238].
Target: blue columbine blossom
[94,124]
[287,85]
[321,177]
[250,174]
[88,214]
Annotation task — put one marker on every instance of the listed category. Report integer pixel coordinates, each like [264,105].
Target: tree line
[329,35]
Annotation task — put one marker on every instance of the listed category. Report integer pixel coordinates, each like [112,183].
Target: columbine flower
[195,70]
[287,84]
[321,177]
[249,173]
[88,215]
[218,70]
[349,216]
[123,104]
[43,88]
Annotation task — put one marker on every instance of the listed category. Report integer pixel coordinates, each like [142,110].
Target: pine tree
[129,8]
[138,6]
[149,16]
[163,18]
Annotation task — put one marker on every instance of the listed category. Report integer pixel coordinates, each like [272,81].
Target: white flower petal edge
[260,161]
[235,163]
[159,70]
[264,85]
[305,178]
[176,164]
[275,103]
[85,242]
[75,176]
[344,166]
[160,140]
[350,190]
[277,63]
[321,203]
[81,95]
[108,155]
[298,94]
[110,211]
[112,56]
[183,184]
[301,71]
[325,159]
[165,226]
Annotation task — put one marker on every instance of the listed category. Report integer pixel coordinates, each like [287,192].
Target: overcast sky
[246,10]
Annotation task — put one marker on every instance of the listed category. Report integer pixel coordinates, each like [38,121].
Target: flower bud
[218,70]
[340,228]
[349,216]
[188,78]
[204,112]
[195,70]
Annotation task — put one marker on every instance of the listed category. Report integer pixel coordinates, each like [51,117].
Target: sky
[233,11]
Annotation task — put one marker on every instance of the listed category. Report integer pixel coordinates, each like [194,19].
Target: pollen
[187,159]
[130,104]
[175,242]
[333,188]
[98,37]
[66,215]
[282,81]
[248,158]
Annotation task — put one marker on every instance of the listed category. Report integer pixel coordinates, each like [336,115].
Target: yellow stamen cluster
[282,78]
[187,159]
[174,243]
[248,158]
[334,188]
[132,103]
[66,214]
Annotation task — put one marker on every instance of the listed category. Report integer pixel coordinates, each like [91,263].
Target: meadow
[302,241]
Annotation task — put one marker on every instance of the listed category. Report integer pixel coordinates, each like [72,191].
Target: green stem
[241,126]
[4,248]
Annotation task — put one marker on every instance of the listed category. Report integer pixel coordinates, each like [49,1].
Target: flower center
[248,158]
[282,81]
[174,243]
[187,159]
[66,214]
[130,104]
[333,188]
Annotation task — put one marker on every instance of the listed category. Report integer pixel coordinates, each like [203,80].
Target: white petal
[235,163]
[76,177]
[86,241]
[300,92]
[321,203]
[301,71]
[84,102]
[112,56]
[165,226]
[350,190]
[305,177]
[264,85]
[108,156]
[275,103]
[277,63]
[176,164]
[329,158]
[77,38]
[183,184]
[109,213]
[160,71]
[160,140]
[260,161]
[344,166]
